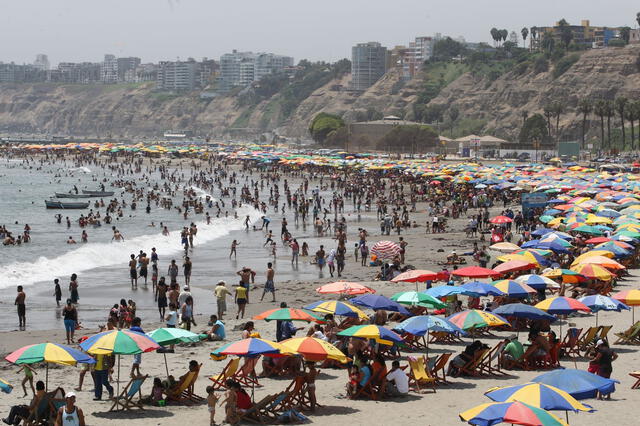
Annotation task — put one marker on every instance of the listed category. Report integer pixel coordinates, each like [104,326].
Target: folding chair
[628,336]
[125,399]
[471,368]
[228,371]
[491,357]
[371,389]
[440,367]
[256,414]
[570,342]
[635,375]
[292,397]
[604,332]
[246,375]
[588,339]
[444,337]
[183,392]
[419,374]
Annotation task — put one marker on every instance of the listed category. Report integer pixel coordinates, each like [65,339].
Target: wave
[80,169]
[98,255]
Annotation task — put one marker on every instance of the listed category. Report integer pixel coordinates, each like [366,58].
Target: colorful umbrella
[5,386]
[413,298]
[475,272]
[513,288]
[344,287]
[560,305]
[537,281]
[119,342]
[599,302]
[444,291]
[593,271]
[376,302]
[289,314]
[628,297]
[385,250]
[603,261]
[516,412]
[504,247]
[478,288]
[474,318]
[379,334]
[251,347]
[580,384]
[172,336]
[416,275]
[567,275]
[313,349]
[422,324]
[521,310]
[540,395]
[498,220]
[337,307]
[50,353]
[514,265]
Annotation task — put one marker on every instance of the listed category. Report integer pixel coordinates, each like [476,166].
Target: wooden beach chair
[291,397]
[183,393]
[414,343]
[444,337]
[370,390]
[629,335]
[256,414]
[471,368]
[228,372]
[635,375]
[439,366]
[246,374]
[492,357]
[604,332]
[588,339]
[45,411]
[125,399]
[569,344]
[419,375]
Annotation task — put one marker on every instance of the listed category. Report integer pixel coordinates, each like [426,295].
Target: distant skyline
[155,30]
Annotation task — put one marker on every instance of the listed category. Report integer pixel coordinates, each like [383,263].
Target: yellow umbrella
[604,253]
[525,257]
[592,271]
[599,260]
[594,220]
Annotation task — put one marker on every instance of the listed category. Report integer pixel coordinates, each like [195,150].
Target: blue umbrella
[422,324]
[521,310]
[478,288]
[598,302]
[376,301]
[443,291]
[537,281]
[541,231]
[579,384]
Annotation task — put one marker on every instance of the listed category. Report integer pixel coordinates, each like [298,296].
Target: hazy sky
[84,30]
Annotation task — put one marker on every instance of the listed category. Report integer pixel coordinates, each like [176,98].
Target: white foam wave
[96,255]
[80,169]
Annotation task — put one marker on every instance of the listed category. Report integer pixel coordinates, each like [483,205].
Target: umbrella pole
[118,382]
[567,416]
[46,379]
[596,318]
[166,366]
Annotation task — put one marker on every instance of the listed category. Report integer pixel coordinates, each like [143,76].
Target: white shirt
[182,297]
[400,379]
[319,335]
[173,318]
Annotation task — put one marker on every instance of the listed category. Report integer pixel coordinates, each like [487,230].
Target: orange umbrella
[593,271]
[344,287]
[599,260]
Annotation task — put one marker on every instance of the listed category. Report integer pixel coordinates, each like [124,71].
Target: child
[57,292]
[230,401]
[28,377]
[212,399]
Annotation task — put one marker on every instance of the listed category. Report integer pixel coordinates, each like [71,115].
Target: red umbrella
[385,249]
[417,275]
[514,265]
[476,272]
[597,240]
[344,287]
[500,219]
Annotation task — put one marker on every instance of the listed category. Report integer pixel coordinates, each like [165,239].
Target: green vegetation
[564,64]
[243,119]
[409,138]
[437,76]
[534,131]
[323,125]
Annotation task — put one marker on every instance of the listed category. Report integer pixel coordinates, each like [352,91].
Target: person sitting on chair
[513,352]
[538,350]
[18,412]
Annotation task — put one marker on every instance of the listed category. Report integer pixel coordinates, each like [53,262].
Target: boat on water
[98,193]
[53,204]
[69,195]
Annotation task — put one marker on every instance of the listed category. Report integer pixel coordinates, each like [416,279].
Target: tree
[609,111]
[625,34]
[585,106]
[548,113]
[534,33]
[600,109]
[558,110]
[548,42]
[409,138]
[495,35]
[620,105]
[454,113]
[323,124]
[566,35]
[525,115]
[534,131]
[630,115]
[638,18]
[447,49]
[525,33]
[504,34]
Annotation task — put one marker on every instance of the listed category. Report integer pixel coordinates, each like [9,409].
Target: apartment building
[368,64]
[240,69]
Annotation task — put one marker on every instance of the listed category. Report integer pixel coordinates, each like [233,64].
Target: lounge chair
[125,399]
[419,374]
[414,343]
[471,368]
[256,413]
[604,332]
[183,392]
[292,397]
[46,411]
[228,371]
[635,375]
[370,390]
[492,357]
[439,366]
[588,339]
[629,336]
[569,344]
[246,374]
[444,337]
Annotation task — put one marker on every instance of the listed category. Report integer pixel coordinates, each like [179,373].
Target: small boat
[53,204]
[98,193]
[69,195]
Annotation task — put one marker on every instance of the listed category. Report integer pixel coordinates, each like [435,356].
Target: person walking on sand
[269,286]
[295,251]
[22,308]
[70,316]
[28,377]
[241,300]
[247,277]
[133,272]
[186,267]
[320,258]
[221,293]
[233,252]
[172,271]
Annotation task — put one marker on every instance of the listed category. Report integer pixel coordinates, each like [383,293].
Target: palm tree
[600,109]
[630,115]
[558,110]
[495,35]
[638,18]
[609,111]
[620,105]
[525,34]
[565,33]
[454,113]
[525,115]
[548,113]
[504,34]
[585,106]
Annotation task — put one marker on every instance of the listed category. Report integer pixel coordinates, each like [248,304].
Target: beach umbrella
[344,288]
[475,318]
[598,302]
[499,220]
[376,302]
[48,353]
[592,253]
[540,395]
[375,332]
[567,275]
[537,281]
[518,413]
[5,386]
[385,250]
[313,349]
[600,261]
[521,310]
[337,307]
[422,324]
[478,288]
[444,291]
[617,250]
[561,305]
[580,384]
[504,247]
[629,298]
[593,271]
[416,275]
[475,272]
[513,288]
[171,336]
[289,314]
[514,265]
[597,240]
[588,229]
[251,347]
[414,298]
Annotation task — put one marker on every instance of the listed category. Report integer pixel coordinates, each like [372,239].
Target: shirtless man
[22,309]
[117,236]
[269,286]
[320,257]
[133,273]
[247,277]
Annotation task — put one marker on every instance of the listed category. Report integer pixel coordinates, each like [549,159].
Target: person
[397,380]
[73,289]
[162,297]
[513,352]
[156,392]
[212,400]
[172,271]
[143,262]
[217,331]
[69,414]
[247,277]
[101,371]
[249,330]
[604,358]
[317,333]
[233,252]
[269,286]
[57,291]
[295,251]
[186,313]
[133,272]
[183,295]
[310,379]
[18,412]
[136,326]
[465,356]
[403,248]
[22,308]
[221,293]
[330,261]
[538,349]
[70,316]
[172,316]
[320,258]
[186,266]
[230,400]
[28,377]
[240,298]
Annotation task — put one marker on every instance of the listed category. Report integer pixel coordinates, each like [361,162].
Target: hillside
[491,103]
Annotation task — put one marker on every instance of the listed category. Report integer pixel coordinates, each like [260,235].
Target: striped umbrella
[414,298]
[422,324]
[513,288]
[603,261]
[313,349]
[337,307]
[475,318]
[376,332]
[478,288]
[498,220]
[251,347]
[560,305]
[520,310]
[593,271]
[537,281]
[598,302]
[504,247]
[540,395]
[514,265]
[289,314]
[377,302]
[567,275]
[580,384]
[170,336]
[416,275]
[629,298]
[510,412]
[385,250]
[119,342]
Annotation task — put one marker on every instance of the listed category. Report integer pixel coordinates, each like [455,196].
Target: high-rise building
[127,64]
[368,64]
[42,62]
[109,69]
[179,76]
[243,68]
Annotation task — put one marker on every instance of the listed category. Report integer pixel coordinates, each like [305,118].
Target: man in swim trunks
[133,273]
[22,308]
[269,286]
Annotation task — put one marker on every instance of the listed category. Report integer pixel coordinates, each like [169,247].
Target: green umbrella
[415,298]
[289,314]
[171,336]
[588,229]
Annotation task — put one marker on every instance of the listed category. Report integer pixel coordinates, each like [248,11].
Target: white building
[109,69]
[42,62]
[243,68]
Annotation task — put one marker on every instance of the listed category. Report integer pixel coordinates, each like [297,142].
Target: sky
[84,30]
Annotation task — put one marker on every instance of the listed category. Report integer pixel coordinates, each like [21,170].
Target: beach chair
[125,399]
[569,344]
[228,372]
[588,339]
[471,368]
[628,336]
[292,397]
[183,392]
[246,375]
[635,375]
[492,357]
[45,412]
[370,390]
[439,366]
[414,343]
[604,332]
[419,374]
[444,337]
[256,413]
[552,360]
